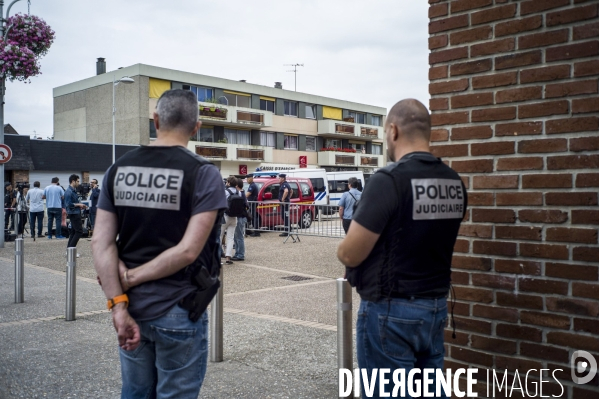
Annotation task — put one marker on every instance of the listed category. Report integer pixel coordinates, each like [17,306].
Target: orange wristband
[117,299]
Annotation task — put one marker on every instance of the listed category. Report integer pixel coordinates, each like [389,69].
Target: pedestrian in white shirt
[36,208]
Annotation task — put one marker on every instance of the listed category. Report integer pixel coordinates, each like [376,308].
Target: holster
[197,301]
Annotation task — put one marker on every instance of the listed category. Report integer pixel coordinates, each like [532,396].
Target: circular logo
[5,153]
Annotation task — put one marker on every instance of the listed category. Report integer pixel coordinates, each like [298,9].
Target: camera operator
[94,202]
[74,207]
[22,208]
[9,203]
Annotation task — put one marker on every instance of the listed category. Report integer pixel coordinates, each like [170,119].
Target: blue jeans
[170,361]
[40,221]
[55,214]
[240,238]
[92,219]
[401,334]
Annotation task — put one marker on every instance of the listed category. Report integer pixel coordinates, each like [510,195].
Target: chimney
[100,66]
[243,80]
[278,85]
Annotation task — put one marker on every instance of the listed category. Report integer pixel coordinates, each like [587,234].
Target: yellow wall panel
[158,86]
[332,113]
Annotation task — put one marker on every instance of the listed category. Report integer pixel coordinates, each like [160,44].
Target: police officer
[252,196]
[399,247]
[284,198]
[162,202]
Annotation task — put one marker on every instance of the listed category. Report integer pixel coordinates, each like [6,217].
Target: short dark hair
[178,110]
[353,182]
[95,181]
[55,180]
[232,180]
[239,183]
[36,184]
[73,178]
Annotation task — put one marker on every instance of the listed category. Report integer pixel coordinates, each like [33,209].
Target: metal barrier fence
[295,219]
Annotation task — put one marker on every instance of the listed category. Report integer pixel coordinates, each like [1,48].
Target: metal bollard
[71,283]
[19,271]
[216,324]
[345,346]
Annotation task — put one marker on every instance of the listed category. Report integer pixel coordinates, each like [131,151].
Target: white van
[318,178]
[338,184]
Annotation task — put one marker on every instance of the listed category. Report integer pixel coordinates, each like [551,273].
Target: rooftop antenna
[294,71]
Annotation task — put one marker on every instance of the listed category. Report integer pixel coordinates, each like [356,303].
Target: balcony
[211,152]
[371,161]
[228,115]
[370,132]
[216,113]
[332,158]
[251,118]
[248,153]
[343,129]
[232,152]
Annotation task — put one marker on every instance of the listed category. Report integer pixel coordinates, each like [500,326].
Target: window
[305,189]
[358,118]
[203,93]
[206,135]
[268,139]
[273,189]
[360,148]
[332,143]
[338,186]
[152,129]
[310,111]
[376,120]
[239,100]
[290,108]
[237,136]
[294,190]
[290,142]
[318,185]
[377,149]
[310,143]
[267,105]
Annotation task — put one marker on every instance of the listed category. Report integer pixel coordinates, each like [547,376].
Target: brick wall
[515,110]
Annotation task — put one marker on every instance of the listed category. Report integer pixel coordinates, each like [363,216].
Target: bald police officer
[399,247]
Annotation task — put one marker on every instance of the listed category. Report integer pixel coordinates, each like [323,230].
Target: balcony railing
[344,160]
[211,152]
[369,161]
[250,117]
[344,129]
[369,132]
[250,154]
[213,112]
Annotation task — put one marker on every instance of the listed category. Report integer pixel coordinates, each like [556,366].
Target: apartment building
[244,126]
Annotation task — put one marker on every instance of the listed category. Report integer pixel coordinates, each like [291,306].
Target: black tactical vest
[413,254]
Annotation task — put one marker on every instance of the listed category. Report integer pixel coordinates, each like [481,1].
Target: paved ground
[279,335]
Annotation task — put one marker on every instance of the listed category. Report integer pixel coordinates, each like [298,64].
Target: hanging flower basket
[17,63]
[31,32]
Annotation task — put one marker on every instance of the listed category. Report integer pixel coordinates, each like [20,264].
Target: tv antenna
[294,71]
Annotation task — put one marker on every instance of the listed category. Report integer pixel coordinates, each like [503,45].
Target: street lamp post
[126,80]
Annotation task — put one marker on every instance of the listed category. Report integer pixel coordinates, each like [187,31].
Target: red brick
[496,281]
[534,6]
[563,234]
[439,135]
[496,148]
[471,100]
[438,72]
[462,309]
[581,216]
[463,5]
[439,104]
[543,251]
[495,248]
[571,272]
[451,54]
[476,230]
[546,108]
[519,363]
[475,198]
[519,129]
[436,42]
[571,88]
[573,306]
[518,267]
[493,114]
[467,68]
[472,166]
[586,31]
[573,199]
[462,246]
[587,180]
[460,278]
[590,143]
[571,15]
[495,182]
[495,313]
[586,254]
[495,80]
[529,163]
[545,320]
[542,216]
[585,290]
[543,39]
[493,345]
[518,233]
[438,10]
[581,393]
[586,325]
[567,339]
[585,105]
[521,301]
[450,150]
[472,357]
[446,24]
[471,132]
[518,25]
[579,50]
[547,181]
[448,87]
[520,94]
[474,294]
[586,68]
[546,352]
[493,14]
[494,47]
[449,118]
[572,125]
[519,332]
[470,263]
[518,60]
[545,73]
[471,35]
[543,286]
[469,324]
[573,162]
[542,146]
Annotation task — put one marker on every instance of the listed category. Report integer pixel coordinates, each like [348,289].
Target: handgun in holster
[197,301]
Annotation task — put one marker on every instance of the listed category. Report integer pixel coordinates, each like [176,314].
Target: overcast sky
[369,51]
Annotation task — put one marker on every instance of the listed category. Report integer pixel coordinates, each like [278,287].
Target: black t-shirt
[253,190]
[8,197]
[284,186]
